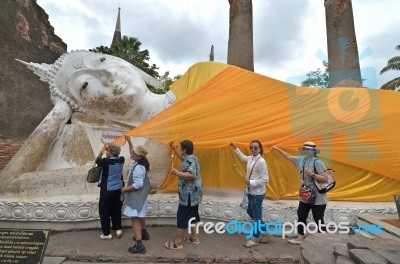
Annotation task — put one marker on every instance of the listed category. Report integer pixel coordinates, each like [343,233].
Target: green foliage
[318,78]
[166,79]
[392,64]
[129,49]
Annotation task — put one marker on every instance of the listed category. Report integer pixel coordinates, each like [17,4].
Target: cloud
[179,33]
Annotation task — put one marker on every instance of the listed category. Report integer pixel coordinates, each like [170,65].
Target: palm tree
[128,48]
[392,64]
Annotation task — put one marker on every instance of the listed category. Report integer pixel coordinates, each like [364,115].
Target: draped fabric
[356,129]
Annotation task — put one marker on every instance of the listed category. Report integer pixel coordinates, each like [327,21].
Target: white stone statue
[91,92]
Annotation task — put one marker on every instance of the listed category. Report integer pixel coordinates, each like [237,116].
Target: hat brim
[135,150]
[305,147]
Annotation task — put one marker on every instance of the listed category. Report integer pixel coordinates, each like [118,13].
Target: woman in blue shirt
[110,184]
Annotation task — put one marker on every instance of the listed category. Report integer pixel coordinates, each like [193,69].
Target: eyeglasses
[253,148]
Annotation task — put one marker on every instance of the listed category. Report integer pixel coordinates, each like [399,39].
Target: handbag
[307,193]
[324,187]
[94,174]
[245,200]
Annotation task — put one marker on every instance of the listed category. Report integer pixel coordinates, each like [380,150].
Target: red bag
[307,194]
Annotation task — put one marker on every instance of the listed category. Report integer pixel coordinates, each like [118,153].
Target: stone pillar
[344,67]
[240,43]
[397,201]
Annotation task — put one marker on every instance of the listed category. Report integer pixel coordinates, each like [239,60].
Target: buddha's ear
[149,80]
[46,73]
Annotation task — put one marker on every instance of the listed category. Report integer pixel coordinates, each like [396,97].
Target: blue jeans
[254,210]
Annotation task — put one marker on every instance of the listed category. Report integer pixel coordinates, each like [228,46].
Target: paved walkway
[71,246]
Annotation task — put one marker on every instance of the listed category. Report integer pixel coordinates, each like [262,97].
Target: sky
[287,34]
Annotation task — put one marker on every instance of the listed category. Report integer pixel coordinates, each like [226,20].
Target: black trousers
[318,212]
[110,206]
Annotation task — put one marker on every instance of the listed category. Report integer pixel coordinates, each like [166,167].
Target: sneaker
[265,239]
[109,237]
[145,236]
[119,233]
[137,249]
[295,242]
[250,243]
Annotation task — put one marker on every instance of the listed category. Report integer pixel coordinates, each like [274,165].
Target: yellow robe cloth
[356,129]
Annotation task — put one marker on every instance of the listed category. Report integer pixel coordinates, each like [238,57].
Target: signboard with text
[19,246]
[108,136]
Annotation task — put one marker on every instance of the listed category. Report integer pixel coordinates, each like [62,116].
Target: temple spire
[117,32]
[212,53]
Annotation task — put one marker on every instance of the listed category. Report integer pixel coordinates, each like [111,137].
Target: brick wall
[8,147]
[25,34]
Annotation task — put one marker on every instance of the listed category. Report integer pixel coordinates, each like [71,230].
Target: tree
[166,79]
[102,49]
[392,64]
[318,78]
[128,48]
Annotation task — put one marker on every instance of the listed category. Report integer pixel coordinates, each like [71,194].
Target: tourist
[110,184]
[136,193]
[190,195]
[311,168]
[256,179]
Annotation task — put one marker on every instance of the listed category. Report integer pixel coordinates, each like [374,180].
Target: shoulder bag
[94,173]
[324,187]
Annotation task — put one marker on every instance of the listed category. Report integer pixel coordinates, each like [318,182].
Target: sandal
[190,240]
[172,245]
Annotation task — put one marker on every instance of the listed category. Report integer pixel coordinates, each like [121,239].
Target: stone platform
[345,249]
[71,212]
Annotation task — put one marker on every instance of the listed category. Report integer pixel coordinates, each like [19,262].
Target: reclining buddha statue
[91,93]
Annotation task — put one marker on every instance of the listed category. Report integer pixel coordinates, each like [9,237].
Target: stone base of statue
[68,212]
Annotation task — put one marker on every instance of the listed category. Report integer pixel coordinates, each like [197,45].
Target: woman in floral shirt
[190,194]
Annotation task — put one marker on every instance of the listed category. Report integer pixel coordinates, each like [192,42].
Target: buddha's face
[104,85]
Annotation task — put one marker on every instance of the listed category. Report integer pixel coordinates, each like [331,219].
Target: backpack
[324,187]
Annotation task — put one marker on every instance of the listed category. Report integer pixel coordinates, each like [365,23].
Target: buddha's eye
[102,59]
[84,85]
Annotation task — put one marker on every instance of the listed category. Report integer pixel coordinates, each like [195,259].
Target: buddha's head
[96,84]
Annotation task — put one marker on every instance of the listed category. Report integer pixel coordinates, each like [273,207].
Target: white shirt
[259,176]
[138,175]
